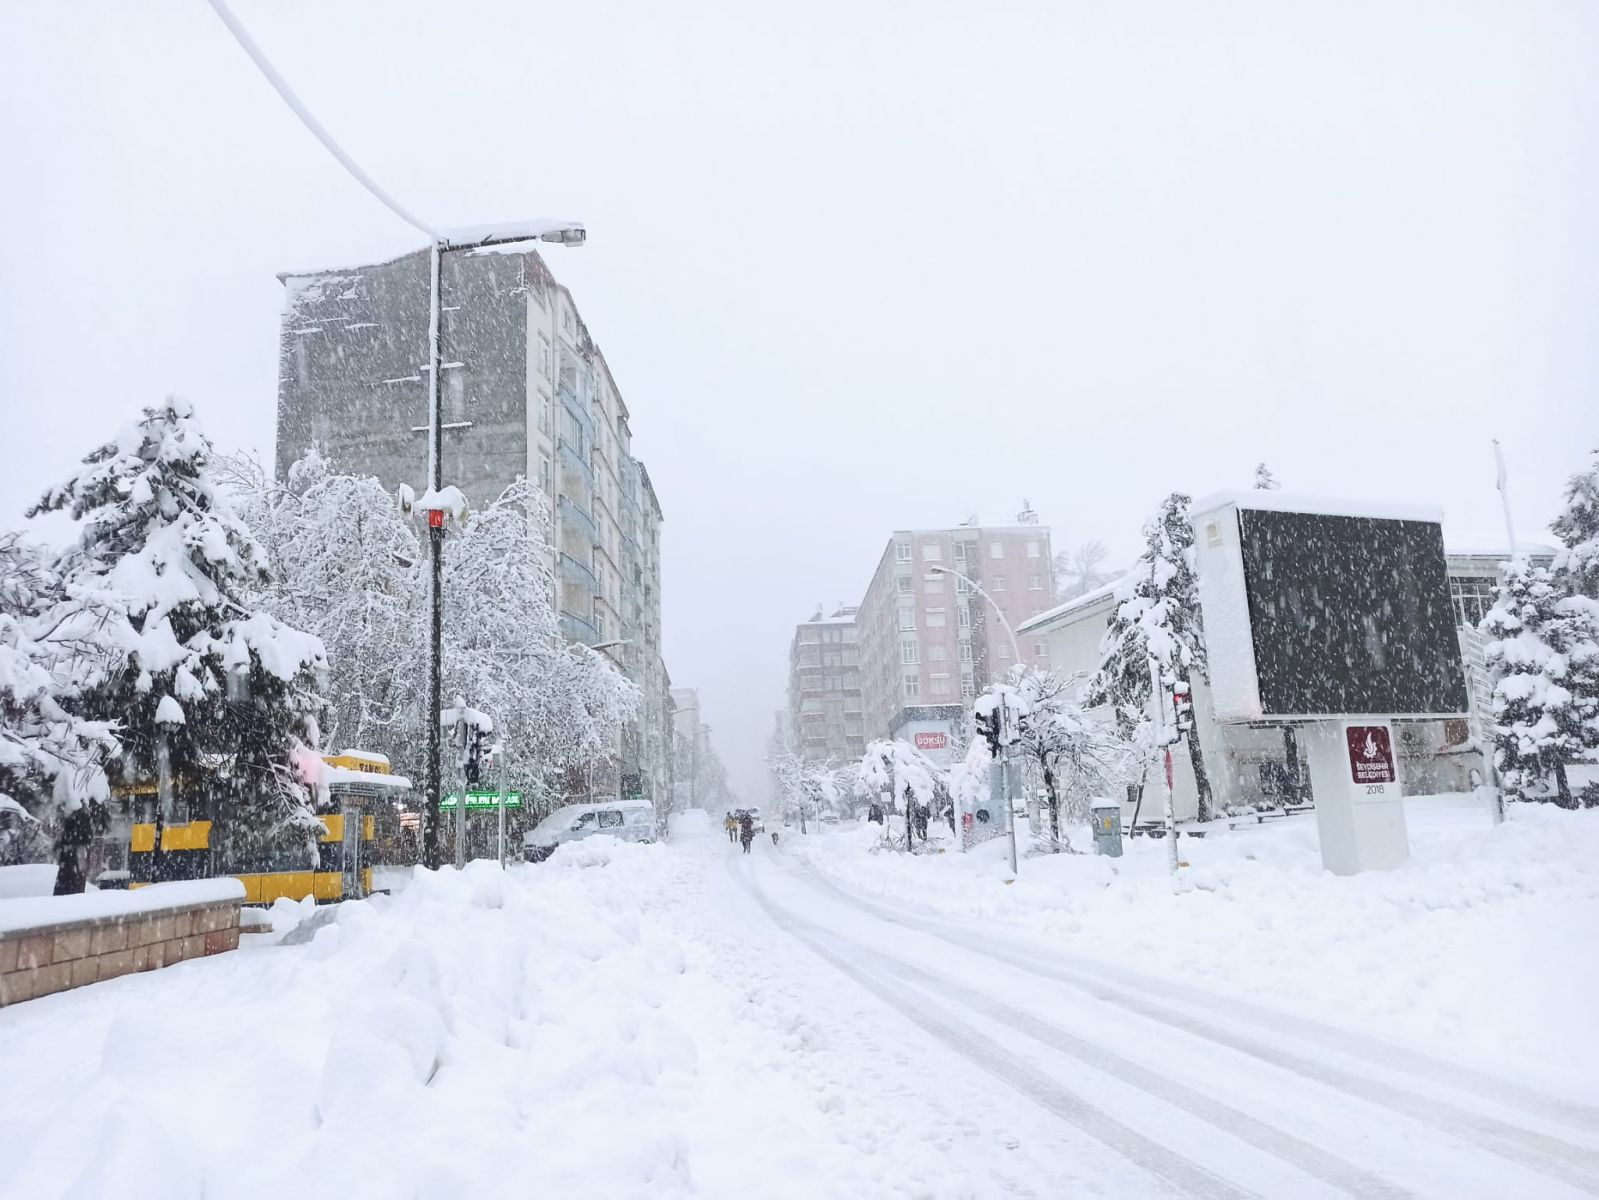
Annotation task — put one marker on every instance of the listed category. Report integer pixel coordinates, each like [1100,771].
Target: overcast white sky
[857,266]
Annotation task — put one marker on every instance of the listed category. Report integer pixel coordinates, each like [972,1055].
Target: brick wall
[47,959]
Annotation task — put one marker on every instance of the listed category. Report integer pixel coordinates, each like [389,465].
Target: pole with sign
[1157,704]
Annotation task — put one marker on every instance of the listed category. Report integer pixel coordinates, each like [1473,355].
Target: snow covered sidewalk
[606,1024]
[1481,948]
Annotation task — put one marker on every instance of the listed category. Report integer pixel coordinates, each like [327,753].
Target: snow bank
[29,879]
[37,912]
[1481,945]
[534,1031]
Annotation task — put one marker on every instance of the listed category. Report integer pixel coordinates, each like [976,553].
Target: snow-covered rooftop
[1270,501]
[1086,600]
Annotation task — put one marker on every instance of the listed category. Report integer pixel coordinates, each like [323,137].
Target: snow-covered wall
[49,944]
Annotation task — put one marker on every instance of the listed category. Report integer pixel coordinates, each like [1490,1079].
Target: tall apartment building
[929,643]
[525,391]
[826,719]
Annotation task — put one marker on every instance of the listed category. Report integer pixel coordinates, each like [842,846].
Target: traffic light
[988,729]
[474,757]
[1182,708]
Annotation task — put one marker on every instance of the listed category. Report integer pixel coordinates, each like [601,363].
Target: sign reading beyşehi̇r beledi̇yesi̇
[1371,754]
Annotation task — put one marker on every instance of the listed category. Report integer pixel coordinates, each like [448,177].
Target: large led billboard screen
[1320,613]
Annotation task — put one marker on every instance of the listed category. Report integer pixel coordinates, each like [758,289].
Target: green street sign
[481,800]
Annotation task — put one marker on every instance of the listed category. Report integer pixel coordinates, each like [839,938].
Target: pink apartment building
[929,643]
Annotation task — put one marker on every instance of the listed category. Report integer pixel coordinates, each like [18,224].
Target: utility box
[1107,827]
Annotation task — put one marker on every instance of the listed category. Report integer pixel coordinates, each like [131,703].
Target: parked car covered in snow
[629,820]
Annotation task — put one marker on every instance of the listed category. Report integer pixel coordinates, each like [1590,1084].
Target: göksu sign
[932,741]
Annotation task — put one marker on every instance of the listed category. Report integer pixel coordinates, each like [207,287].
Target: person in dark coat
[746,831]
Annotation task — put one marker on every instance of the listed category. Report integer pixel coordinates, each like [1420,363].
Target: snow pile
[539,1031]
[1484,927]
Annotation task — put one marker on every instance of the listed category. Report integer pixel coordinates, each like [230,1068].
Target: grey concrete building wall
[354,365]
[524,390]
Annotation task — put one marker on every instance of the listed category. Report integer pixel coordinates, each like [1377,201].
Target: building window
[967,690]
[965,615]
[996,549]
[937,653]
[932,552]
[935,618]
[544,473]
[909,652]
[913,687]
[933,583]
[1473,596]
[940,685]
[999,584]
[960,551]
[1033,550]
[567,320]
[902,584]
[966,651]
[544,356]
[907,618]
[1035,583]
[902,552]
[544,413]
[1041,649]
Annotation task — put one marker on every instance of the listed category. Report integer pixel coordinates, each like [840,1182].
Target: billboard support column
[1360,811]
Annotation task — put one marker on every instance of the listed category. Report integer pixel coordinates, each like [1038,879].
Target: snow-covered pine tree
[1576,567]
[1543,646]
[1158,617]
[190,663]
[51,760]
[1265,481]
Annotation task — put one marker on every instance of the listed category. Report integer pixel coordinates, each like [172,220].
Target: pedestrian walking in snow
[746,831]
[731,825]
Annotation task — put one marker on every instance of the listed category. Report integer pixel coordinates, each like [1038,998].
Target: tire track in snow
[1187,1178]
[1543,1153]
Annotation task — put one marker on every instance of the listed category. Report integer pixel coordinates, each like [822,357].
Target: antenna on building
[1027,516]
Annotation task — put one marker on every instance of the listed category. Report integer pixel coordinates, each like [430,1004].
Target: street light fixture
[938,569]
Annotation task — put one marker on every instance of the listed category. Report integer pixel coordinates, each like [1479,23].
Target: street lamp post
[567,233]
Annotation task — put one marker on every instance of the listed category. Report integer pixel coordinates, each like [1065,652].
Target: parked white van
[628,820]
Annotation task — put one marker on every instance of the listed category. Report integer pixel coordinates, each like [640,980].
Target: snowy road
[1195,1097]
[684,1020]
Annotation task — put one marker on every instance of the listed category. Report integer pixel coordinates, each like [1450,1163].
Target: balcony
[578,409]
[572,516]
[578,629]
[575,461]
[579,574]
